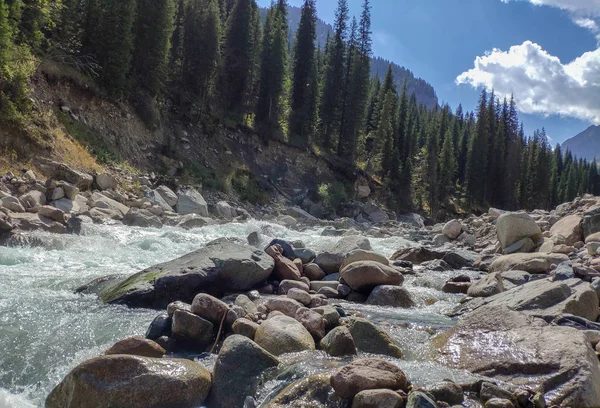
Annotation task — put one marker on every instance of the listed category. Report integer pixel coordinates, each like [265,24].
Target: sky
[544,52]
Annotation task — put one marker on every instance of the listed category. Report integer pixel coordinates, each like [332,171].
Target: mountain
[585,145]
[422,89]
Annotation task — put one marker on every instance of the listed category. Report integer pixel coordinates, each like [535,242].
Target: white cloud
[587,23]
[580,7]
[540,82]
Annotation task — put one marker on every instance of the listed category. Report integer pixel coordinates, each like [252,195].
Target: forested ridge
[216,60]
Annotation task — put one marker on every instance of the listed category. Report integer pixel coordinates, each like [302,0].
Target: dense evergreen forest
[215,60]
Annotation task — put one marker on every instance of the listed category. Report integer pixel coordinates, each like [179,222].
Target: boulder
[544,297]
[237,370]
[13,204]
[448,392]
[368,374]
[287,306]
[158,200]
[513,227]
[287,220]
[57,193]
[488,286]
[245,327]
[225,211]
[282,334]
[53,213]
[314,272]
[222,266]
[209,308]
[524,245]
[569,228]
[105,182]
[332,258]
[305,255]
[527,352]
[339,342]
[285,269]
[168,195]
[532,263]
[191,329]
[377,399]
[499,403]
[60,171]
[363,276]
[191,221]
[363,255]
[190,201]
[418,399]
[313,321]
[33,199]
[299,214]
[286,285]
[132,382]
[299,295]
[100,201]
[369,338]
[160,326]
[137,346]
[392,296]
[330,314]
[70,190]
[591,221]
[141,218]
[69,206]
[452,229]
[593,238]
[245,303]
[375,213]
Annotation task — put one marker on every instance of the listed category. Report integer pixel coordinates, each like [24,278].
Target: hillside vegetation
[185,75]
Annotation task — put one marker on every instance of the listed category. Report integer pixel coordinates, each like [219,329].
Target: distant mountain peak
[586,145]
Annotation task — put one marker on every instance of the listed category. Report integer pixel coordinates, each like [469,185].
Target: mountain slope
[422,89]
[585,145]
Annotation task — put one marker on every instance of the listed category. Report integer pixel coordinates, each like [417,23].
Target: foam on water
[46,329]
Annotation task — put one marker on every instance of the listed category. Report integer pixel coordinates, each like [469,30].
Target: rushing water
[46,329]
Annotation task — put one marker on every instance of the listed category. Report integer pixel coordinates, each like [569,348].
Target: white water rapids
[46,329]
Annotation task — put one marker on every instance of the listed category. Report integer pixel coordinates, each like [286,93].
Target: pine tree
[371,118]
[238,59]
[331,98]
[273,69]
[176,50]
[477,161]
[36,18]
[385,133]
[68,31]
[153,29]
[447,167]
[304,77]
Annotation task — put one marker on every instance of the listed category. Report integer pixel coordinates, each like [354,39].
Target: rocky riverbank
[233,311]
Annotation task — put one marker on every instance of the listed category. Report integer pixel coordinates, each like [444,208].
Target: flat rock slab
[221,266]
[523,350]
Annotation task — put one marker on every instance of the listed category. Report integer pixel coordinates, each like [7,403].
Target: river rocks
[160,326]
[393,296]
[245,303]
[569,228]
[222,266]
[305,255]
[287,306]
[100,201]
[299,295]
[137,346]
[168,195]
[363,255]
[418,399]
[532,263]
[190,201]
[237,370]
[285,269]
[332,258]
[368,374]
[591,221]
[245,327]
[363,276]
[448,392]
[377,399]
[33,199]
[191,329]
[339,342]
[141,218]
[499,403]
[487,286]
[12,204]
[282,334]
[330,314]
[132,382]
[105,182]
[593,238]
[313,272]
[513,227]
[313,321]
[544,297]
[286,285]
[523,350]
[369,338]
[53,213]
[60,171]
[225,211]
[312,391]
[452,229]
[209,308]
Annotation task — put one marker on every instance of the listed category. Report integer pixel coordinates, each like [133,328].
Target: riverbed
[46,329]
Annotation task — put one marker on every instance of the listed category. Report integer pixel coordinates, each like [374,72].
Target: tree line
[217,59]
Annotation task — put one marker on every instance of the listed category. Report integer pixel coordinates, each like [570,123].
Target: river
[46,329]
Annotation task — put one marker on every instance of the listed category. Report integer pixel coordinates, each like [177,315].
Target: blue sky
[544,51]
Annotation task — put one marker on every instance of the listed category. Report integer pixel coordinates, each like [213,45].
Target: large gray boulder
[141,218]
[33,199]
[370,338]
[513,227]
[569,228]
[532,263]
[222,266]
[106,182]
[332,258]
[100,201]
[13,204]
[190,201]
[237,371]
[132,382]
[489,285]
[363,276]
[392,296]
[524,350]
[167,194]
[544,297]
[60,171]
[591,221]
[282,334]
[158,199]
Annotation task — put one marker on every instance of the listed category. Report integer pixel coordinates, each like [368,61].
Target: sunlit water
[46,329]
